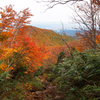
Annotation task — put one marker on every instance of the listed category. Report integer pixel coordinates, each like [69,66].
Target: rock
[57,98]
[33,93]
[45,91]
[39,92]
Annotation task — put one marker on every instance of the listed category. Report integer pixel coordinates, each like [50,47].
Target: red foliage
[32,54]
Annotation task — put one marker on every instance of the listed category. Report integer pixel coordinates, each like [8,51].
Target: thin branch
[52,3]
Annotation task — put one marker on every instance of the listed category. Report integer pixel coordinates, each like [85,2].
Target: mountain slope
[49,37]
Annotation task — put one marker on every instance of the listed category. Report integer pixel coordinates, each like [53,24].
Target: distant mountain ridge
[68,32]
[49,37]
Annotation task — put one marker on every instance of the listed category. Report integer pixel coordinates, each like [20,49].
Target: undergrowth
[76,78]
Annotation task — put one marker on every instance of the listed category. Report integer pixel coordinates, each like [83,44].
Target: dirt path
[49,92]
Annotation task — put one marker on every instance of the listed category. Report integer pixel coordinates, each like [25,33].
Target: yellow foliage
[3,66]
[26,72]
[15,50]
[46,57]
[8,51]
[27,58]
[28,85]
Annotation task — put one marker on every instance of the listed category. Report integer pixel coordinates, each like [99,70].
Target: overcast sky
[51,19]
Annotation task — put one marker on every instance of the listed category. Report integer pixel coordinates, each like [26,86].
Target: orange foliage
[54,51]
[18,46]
[18,49]
[11,23]
[31,54]
[98,39]
[85,41]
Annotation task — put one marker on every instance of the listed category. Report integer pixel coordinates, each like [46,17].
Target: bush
[40,71]
[34,85]
[78,77]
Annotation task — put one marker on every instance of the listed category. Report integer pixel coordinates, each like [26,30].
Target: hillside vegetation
[49,37]
[35,64]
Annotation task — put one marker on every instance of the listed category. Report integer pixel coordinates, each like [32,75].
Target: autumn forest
[40,64]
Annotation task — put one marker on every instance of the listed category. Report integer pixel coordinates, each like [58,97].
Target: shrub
[78,77]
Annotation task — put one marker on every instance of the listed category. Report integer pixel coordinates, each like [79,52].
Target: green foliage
[17,85]
[78,77]
[60,57]
[4,76]
[20,87]
[40,71]
[36,84]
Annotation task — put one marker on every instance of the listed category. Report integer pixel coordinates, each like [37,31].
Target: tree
[12,23]
[88,20]
[18,50]
[97,2]
[24,53]
[52,3]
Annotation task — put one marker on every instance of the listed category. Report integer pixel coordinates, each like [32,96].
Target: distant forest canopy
[49,37]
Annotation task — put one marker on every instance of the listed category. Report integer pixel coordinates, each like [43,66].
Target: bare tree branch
[51,3]
[87,16]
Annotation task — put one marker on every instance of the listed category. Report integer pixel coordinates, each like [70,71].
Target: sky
[50,19]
